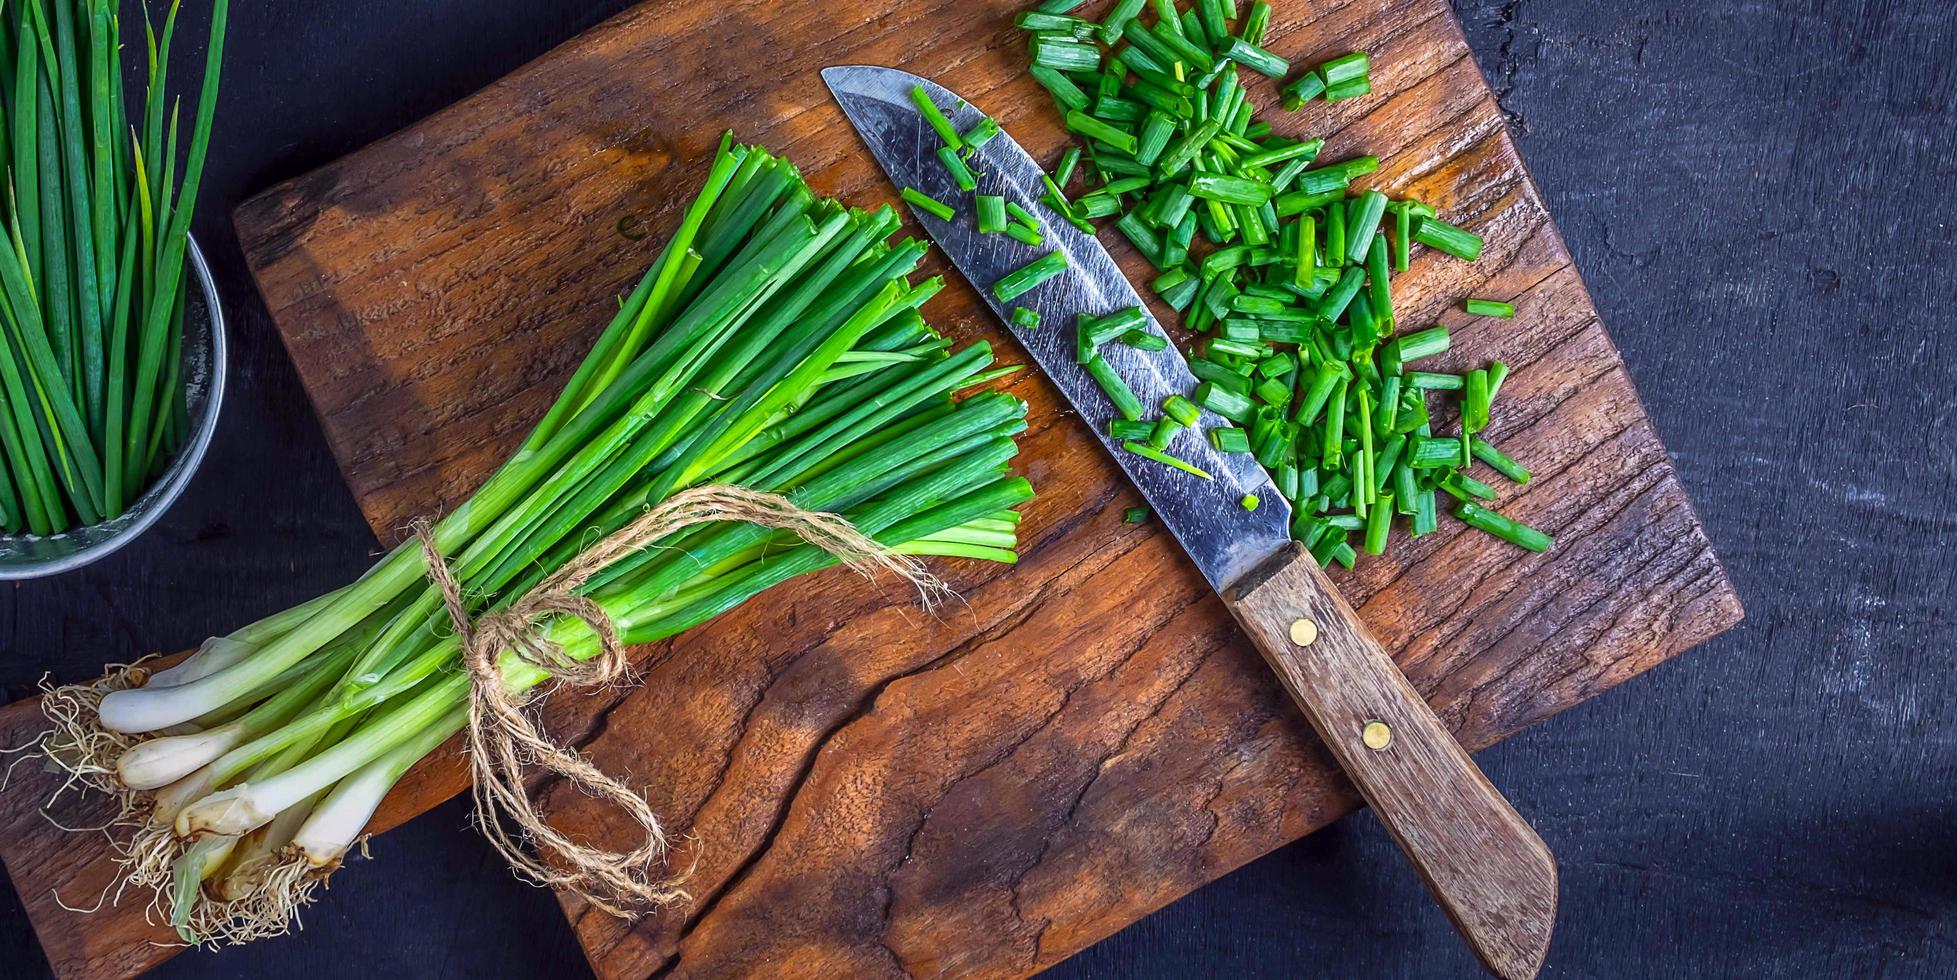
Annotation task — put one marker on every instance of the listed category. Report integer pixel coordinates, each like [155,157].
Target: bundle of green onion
[775,345]
[92,280]
[1277,262]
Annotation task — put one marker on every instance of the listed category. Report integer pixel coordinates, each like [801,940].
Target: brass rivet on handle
[1376,735]
[1303,632]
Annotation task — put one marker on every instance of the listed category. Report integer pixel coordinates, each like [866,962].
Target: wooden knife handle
[1482,861]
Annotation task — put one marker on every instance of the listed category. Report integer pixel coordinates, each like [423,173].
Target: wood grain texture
[1485,865]
[1089,737]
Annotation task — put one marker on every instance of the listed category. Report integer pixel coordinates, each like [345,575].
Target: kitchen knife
[1482,861]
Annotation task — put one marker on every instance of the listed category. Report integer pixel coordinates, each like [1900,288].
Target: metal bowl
[29,556]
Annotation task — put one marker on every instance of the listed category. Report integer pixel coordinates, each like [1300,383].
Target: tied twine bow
[503,738]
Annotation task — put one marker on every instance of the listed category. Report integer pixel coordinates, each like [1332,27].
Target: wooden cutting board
[873,791]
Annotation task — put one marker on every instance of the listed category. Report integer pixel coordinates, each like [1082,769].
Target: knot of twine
[504,739]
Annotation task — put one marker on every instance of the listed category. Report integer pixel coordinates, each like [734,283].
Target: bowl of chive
[190,395]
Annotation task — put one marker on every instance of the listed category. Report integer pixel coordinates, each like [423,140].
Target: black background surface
[1760,195]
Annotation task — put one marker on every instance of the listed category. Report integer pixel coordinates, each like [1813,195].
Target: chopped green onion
[1135,515]
[1429,453]
[1063,54]
[1372,207]
[1025,317]
[1230,190]
[1169,34]
[926,203]
[1507,529]
[1147,451]
[1139,235]
[1099,330]
[1233,348]
[1275,392]
[991,213]
[1336,214]
[1025,235]
[1465,486]
[1219,374]
[1085,348]
[960,174]
[1214,22]
[1255,58]
[1368,455]
[1068,161]
[1249,502]
[1344,555]
[1343,172]
[1330,374]
[1057,203]
[1425,516]
[1117,390]
[1474,401]
[1340,296]
[1304,150]
[1124,185]
[1145,341]
[1422,344]
[1306,257]
[1062,88]
[947,133]
[1157,128]
[1095,129]
[1458,242]
[1515,471]
[1349,89]
[1346,522]
[1164,433]
[1232,405]
[1229,439]
[1125,429]
[1433,381]
[1256,22]
[1402,234]
[1182,151]
[1489,307]
[1345,68]
[1181,409]
[1118,18]
[1379,522]
[1309,86]
[1018,283]
[1036,20]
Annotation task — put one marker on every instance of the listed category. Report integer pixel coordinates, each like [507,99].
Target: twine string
[505,740]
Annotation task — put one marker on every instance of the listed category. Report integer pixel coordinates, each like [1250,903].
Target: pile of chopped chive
[99,198]
[1278,264]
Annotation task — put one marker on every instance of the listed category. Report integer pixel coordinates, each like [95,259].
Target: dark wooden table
[1761,198]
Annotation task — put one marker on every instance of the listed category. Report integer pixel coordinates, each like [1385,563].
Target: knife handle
[1482,861]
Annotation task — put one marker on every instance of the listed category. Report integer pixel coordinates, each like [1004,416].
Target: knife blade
[1491,873]
[1206,516]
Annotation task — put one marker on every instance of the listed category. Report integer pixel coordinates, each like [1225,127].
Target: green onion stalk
[96,226]
[775,345]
